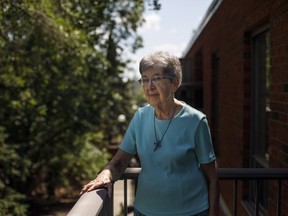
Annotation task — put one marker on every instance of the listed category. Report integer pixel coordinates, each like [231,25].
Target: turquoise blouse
[171,181]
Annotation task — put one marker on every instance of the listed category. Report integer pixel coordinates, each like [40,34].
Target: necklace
[157,142]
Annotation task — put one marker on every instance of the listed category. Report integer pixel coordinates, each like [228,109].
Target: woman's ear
[176,85]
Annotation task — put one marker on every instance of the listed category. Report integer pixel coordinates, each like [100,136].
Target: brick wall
[227,34]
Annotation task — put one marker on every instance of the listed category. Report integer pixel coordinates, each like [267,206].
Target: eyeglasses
[155,80]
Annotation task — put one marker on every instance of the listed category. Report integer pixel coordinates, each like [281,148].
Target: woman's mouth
[153,95]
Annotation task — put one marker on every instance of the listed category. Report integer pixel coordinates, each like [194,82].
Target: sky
[170,29]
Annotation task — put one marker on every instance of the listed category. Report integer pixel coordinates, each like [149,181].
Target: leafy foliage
[61,87]
[12,167]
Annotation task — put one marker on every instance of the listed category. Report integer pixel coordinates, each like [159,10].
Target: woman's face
[160,90]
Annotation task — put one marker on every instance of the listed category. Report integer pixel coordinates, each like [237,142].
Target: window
[260,111]
[261,102]
[191,90]
[215,66]
[184,92]
[198,77]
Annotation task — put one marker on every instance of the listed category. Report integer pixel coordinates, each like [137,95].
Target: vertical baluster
[235,197]
[257,198]
[125,197]
[279,198]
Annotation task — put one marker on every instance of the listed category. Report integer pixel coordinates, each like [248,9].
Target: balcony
[98,203]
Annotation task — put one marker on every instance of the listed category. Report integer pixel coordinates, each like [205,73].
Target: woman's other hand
[102,180]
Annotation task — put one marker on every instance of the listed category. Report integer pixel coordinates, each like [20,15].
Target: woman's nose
[150,84]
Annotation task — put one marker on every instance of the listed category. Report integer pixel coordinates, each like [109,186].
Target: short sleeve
[128,143]
[203,143]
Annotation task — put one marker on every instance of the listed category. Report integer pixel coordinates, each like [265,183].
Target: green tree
[12,167]
[61,70]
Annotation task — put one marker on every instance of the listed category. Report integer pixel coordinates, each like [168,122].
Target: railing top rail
[89,203]
[231,173]
[131,173]
[253,173]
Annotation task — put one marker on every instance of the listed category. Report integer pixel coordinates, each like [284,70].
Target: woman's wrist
[111,170]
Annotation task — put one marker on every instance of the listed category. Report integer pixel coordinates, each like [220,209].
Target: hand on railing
[102,180]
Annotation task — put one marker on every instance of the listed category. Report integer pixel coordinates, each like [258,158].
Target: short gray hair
[164,61]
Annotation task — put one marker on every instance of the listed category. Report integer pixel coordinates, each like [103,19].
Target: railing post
[111,202]
[235,197]
[92,203]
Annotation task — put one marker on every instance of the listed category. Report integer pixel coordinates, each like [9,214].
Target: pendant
[157,144]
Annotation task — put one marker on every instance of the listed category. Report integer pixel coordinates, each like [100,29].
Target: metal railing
[93,203]
[98,203]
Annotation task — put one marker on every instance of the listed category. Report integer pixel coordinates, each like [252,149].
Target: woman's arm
[210,172]
[111,173]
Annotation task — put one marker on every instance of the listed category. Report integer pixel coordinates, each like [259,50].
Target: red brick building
[236,71]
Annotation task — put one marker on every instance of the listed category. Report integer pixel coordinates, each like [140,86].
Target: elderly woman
[173,142]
